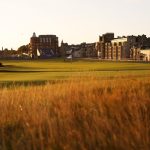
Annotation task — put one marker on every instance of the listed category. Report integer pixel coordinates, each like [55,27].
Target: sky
[73,21]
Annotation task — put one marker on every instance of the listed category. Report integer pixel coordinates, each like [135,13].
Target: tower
[34,43]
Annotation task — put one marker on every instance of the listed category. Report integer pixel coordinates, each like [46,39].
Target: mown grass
[82,113]
[37,70]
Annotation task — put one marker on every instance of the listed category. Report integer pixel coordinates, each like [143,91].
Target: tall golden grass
[79,114]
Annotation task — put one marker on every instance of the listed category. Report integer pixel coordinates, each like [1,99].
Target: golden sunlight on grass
[78,114]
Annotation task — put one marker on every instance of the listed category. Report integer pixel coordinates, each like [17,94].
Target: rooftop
[119,40]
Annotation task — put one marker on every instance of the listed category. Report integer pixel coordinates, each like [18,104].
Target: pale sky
[74,21]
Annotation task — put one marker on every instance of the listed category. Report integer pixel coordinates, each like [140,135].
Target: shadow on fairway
[7,67]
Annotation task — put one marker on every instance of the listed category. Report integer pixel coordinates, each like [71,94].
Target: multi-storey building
[44,44]
[103,43]
[121,48]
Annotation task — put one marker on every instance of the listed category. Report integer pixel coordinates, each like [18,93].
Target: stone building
[66,48]
[44,44]
[90,50]
[121,48]
[145,55]
[79,50]
[103,43]
[142,43]
[135,53]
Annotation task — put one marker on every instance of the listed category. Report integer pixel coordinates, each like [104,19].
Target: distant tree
[23,49]
[6,49]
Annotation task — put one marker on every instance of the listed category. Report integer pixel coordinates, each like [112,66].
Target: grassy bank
[81,113]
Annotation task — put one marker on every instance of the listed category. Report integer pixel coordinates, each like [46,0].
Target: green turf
[43,70]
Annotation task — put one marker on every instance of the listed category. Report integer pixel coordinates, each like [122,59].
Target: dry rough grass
[79,114]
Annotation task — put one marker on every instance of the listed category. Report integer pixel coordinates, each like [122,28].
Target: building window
[40,40]
[50,40]
[47,40]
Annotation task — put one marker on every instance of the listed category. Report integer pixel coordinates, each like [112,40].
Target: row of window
[45,40]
